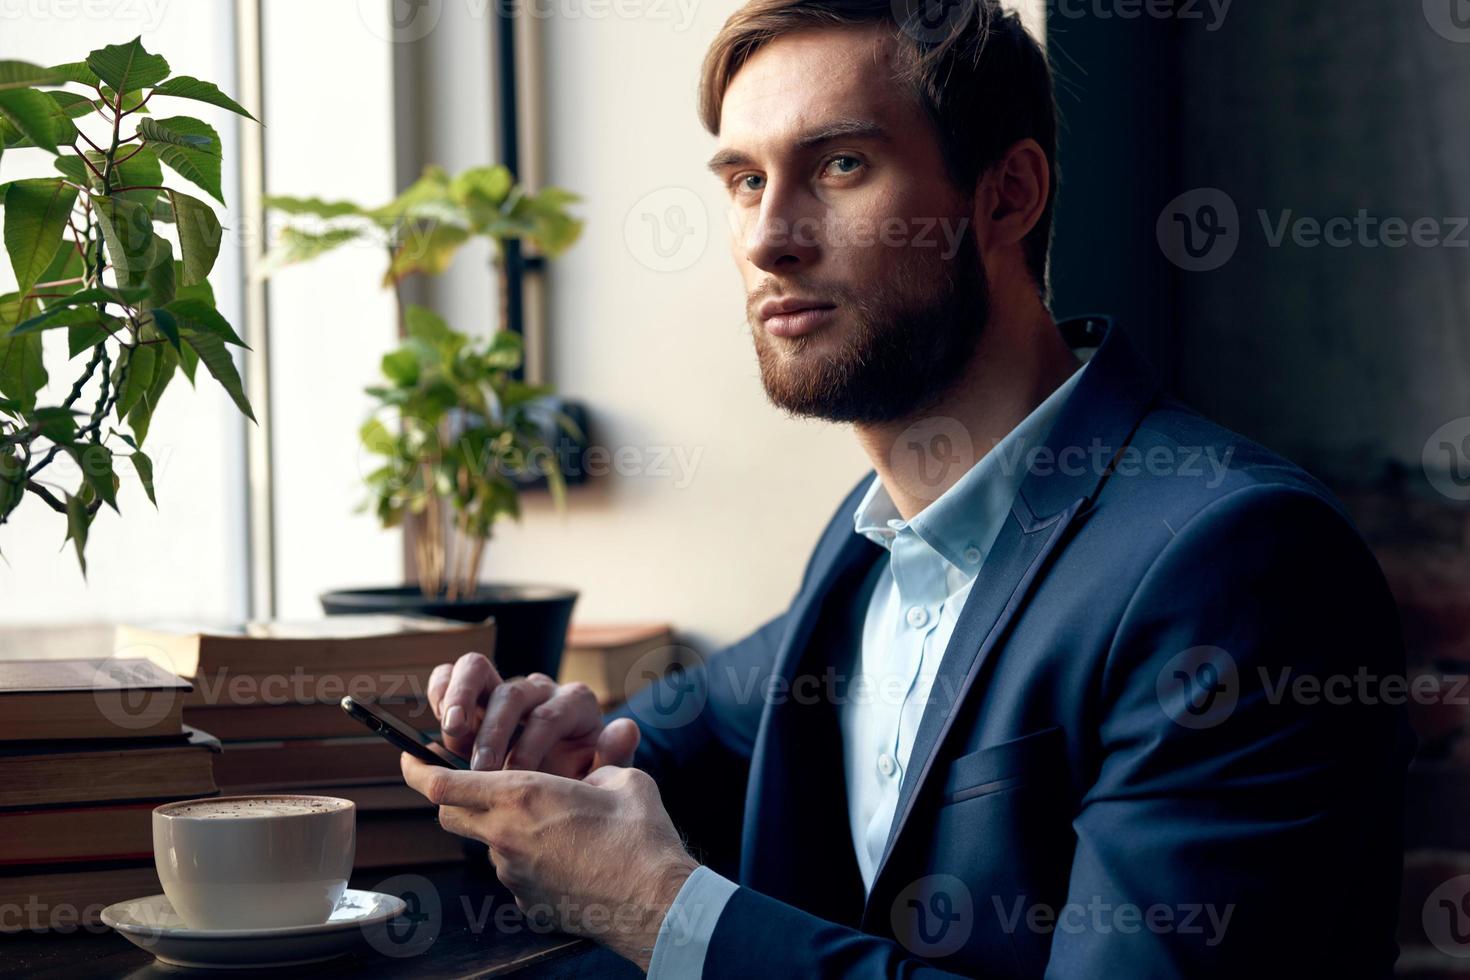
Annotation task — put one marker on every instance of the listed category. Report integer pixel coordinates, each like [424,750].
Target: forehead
[801,81]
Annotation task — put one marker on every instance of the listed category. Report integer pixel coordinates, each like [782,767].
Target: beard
[908,341]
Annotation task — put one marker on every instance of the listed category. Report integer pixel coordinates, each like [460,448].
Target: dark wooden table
[460,923]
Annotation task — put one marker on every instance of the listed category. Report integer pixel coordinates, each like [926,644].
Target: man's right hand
[560,725]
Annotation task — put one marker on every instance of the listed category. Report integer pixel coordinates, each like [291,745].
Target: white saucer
[152,924]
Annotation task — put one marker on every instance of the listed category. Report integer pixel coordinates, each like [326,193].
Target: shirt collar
[963,523]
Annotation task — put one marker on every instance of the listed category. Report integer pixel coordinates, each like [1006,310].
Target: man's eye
[845,164]
[743,183]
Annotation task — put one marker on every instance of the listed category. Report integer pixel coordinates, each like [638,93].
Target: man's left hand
[597,857]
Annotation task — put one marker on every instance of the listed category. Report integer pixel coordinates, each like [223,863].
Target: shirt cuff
[683,938]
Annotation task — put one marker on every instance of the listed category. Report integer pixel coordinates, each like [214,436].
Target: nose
[783,234]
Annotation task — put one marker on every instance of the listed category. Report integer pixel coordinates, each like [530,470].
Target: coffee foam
[255,807]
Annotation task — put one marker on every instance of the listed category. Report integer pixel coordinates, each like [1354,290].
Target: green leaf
[376,438]
[199,235]
[60,108]
[401,367]
[427,249]
[165,360]
[484,186]
[95,459]
[57,424]
[159,274]
[77,71]
[186,87]
[127,67]
[104,294]
[198,317]
[22,370]
[188,146]
[36,212]
[77,521]
[144,468]
[217,360]
[427,325]
[164,323]
[296,245]
[12,481]
[74,169]
[314,206]
[139,364]
[32,113]
[128,230]
[427,197]
[62,316]
[135,168]
[188,361]
[23,74]
[84,337]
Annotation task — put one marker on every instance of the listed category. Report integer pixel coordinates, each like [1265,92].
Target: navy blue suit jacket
[1121,771]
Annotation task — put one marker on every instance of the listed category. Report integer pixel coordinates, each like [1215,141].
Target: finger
[451,787]
[608,777]
[438,684]
[510,703]
[570,713]
[472,679]
[617,744]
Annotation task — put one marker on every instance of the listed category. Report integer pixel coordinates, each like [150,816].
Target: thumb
[617,743]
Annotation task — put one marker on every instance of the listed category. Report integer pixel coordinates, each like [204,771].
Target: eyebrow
[838,129]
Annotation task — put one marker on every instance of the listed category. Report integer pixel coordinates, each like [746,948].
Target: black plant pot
[530,620]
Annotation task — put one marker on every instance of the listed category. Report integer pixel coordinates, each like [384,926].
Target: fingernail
[452,718]
[478,760]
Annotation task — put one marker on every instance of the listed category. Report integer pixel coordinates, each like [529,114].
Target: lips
[791,305]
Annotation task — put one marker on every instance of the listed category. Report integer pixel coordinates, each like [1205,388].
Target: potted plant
[454,428]
[105,251]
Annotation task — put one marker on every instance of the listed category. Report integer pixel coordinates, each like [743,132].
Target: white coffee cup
[254,862]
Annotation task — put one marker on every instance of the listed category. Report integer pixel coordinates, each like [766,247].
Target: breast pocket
[1038,755]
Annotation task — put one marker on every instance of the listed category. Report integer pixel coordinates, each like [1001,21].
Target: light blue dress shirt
[933,560]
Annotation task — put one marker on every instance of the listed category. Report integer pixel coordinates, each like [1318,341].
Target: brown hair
[982,79]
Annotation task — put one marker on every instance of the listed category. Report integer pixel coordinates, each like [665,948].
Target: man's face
[839,196]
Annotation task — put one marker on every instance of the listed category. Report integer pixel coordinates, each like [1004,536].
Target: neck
[1019,361]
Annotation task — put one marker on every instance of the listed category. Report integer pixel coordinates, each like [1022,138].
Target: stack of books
[271,692]
[616,660]
[88,748]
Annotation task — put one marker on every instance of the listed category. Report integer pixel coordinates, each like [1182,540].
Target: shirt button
[886,765]
[917,616]
[972,555]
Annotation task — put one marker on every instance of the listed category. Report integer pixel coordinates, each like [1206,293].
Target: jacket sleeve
[697,729]
[1235,823]
[1248,789]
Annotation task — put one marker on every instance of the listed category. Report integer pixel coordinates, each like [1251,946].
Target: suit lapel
[1016,561]
[796,845]
[1105,409]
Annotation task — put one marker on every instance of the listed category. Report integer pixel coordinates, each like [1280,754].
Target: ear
[1014,194]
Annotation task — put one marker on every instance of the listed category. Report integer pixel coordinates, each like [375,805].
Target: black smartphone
[402,734]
